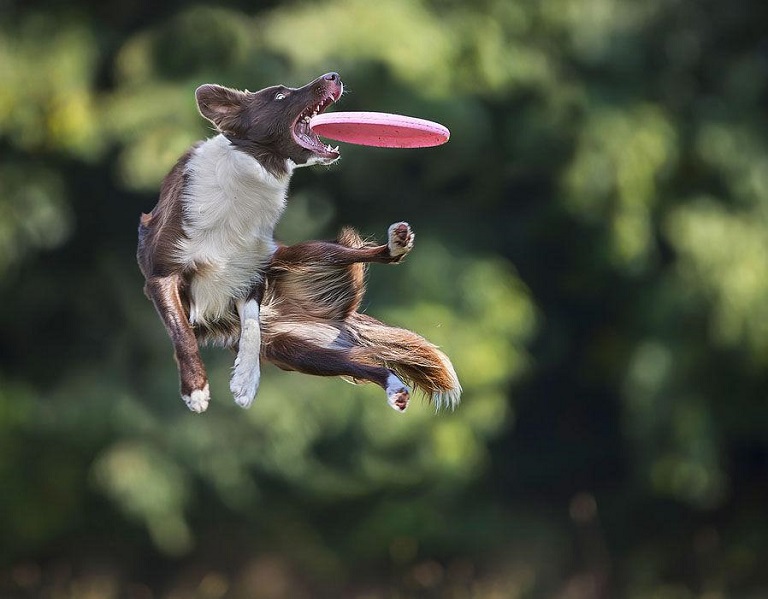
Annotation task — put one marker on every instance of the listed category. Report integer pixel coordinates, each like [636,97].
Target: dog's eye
[279,96]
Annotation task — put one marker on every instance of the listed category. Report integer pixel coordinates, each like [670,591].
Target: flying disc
[379,129]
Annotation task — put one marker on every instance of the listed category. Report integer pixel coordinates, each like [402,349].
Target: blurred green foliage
[591,254]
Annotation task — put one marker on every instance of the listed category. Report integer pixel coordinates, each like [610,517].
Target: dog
[206,246]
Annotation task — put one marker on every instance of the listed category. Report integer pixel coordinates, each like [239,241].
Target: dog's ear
[222,106]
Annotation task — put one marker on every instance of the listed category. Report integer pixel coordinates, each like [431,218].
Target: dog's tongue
[379,129]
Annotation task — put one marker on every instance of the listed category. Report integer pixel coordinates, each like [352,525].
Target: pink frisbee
[379,129]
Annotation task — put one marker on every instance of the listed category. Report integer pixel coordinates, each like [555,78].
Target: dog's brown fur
[310,320]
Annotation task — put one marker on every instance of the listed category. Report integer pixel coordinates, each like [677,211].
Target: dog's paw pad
[401,238]
[398,394]
[198,400]
[399,401]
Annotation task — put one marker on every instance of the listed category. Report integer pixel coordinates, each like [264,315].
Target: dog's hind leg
[291,353]
[400,239]
[164,293]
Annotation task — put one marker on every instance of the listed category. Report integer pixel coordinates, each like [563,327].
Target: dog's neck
[230,189]
[276,165]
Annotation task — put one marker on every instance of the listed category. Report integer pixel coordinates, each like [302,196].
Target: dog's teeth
[307,119]
[336,149]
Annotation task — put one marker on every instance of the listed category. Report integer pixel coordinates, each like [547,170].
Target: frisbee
[379,129]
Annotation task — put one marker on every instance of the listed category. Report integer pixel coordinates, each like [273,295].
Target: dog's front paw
[400,236]
[245,383]
[197,400]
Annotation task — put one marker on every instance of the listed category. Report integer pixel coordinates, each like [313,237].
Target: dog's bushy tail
[414,359]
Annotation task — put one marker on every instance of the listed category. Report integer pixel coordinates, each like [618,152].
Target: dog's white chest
[231,207]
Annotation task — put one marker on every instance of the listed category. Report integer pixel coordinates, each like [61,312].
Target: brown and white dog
[215,273]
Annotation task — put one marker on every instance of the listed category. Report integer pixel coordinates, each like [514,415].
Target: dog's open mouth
[304,136]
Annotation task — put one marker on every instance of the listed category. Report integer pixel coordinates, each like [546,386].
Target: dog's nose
[331,77]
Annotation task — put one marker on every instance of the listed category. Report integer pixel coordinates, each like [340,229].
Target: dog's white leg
[246,375]
[397,393]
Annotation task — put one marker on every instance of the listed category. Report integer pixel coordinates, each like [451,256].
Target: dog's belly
[213,295]
[220,281]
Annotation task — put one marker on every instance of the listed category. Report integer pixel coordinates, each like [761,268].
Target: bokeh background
[592,250]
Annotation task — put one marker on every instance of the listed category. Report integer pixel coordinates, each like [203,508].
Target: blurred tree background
[592,253]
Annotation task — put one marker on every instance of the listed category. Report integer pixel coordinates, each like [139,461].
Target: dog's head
[273,124]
